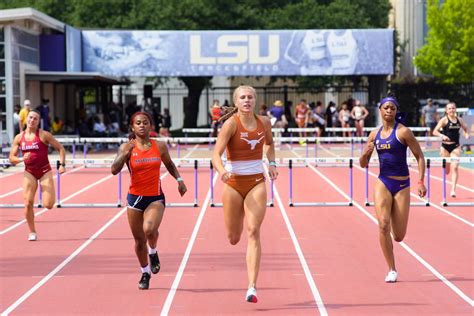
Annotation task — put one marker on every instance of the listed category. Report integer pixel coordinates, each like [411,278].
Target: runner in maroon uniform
[33,143]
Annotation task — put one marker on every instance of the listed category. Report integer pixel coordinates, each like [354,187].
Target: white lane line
[404,245]
[31,291]
[307,272]
[6,230]
[169,299]
[21,189]
[465,221]
[447,181]
[416,196]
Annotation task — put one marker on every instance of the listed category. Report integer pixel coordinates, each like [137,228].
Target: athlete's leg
[47,188]
[30,185]
[383,208]
[444,153]
[454,170]
[135,221]
[151,222]
[233,205]
[400,212]
[255,206]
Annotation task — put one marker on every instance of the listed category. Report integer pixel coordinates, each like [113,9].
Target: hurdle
[39,204]
[428,186]
[444,164]
[332,162]
[211,185]
[108,162]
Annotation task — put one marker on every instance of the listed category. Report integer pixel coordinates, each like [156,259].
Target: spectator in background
[166,123]
[429,116]
[344,117]
[263,110]
[317,117]
[331,115]
[24,114]
[99,128]
[277,115]
[358,114]
[16,119]
[57,126]
[43,108]
[215,113]
[302,112]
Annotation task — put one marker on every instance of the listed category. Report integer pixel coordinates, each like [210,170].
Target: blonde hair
[446,108]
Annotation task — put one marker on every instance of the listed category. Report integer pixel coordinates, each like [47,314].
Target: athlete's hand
[26,156]
[182,188]
[272,172]
[128,147]
[445,138]
[421,190]
[62,169]
[226,177]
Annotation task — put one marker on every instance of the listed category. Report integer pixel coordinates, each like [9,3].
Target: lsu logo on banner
[235,50]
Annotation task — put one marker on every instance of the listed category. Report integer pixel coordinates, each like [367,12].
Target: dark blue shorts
[394,185]
[140,202]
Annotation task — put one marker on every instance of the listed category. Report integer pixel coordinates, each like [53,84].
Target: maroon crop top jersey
[38,163]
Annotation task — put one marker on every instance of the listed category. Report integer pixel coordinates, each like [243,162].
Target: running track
[316,260]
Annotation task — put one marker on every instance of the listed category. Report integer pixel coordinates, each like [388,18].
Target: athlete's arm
[269,148]
[13,157]
[464,127]
[48,138]
[436,132]
[365,112]
[368,150]
[171,167]
[124,152]
[406,135]
[228,129]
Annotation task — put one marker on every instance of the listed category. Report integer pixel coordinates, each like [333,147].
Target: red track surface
[339,246]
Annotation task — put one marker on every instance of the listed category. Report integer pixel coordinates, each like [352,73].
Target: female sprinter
[392,188]
[450,126]
[244,194]
[146,201]
[33,143]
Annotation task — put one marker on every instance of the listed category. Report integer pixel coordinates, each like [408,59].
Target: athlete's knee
[48,204]
[233,239]
[253,233]
[384,226]
[398,237]
[150,232]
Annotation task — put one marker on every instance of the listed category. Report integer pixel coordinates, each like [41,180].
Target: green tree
[449,52]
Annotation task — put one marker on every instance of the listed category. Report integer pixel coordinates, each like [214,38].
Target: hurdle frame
[428,187]
[350,202]
[444,202]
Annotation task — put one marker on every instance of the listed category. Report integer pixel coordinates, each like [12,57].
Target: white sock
[151,251]
[146,269]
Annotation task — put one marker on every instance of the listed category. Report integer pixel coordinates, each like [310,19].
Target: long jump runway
[315,260]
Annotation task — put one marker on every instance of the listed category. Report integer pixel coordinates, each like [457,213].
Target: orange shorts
[244,183]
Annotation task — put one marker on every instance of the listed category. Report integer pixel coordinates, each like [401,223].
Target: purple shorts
[394,185]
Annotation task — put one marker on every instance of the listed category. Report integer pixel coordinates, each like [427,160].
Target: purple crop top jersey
[393,161]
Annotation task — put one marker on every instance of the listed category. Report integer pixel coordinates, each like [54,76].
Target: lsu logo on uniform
[383,146]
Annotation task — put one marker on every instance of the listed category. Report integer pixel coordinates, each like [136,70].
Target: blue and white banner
[239,53]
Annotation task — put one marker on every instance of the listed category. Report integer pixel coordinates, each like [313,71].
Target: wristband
[272,163]
[179,179]
[63,164]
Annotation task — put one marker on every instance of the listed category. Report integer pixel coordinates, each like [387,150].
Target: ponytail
[228,112]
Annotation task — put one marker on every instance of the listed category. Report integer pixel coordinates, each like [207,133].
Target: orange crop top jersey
[244,144]
[144,166]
